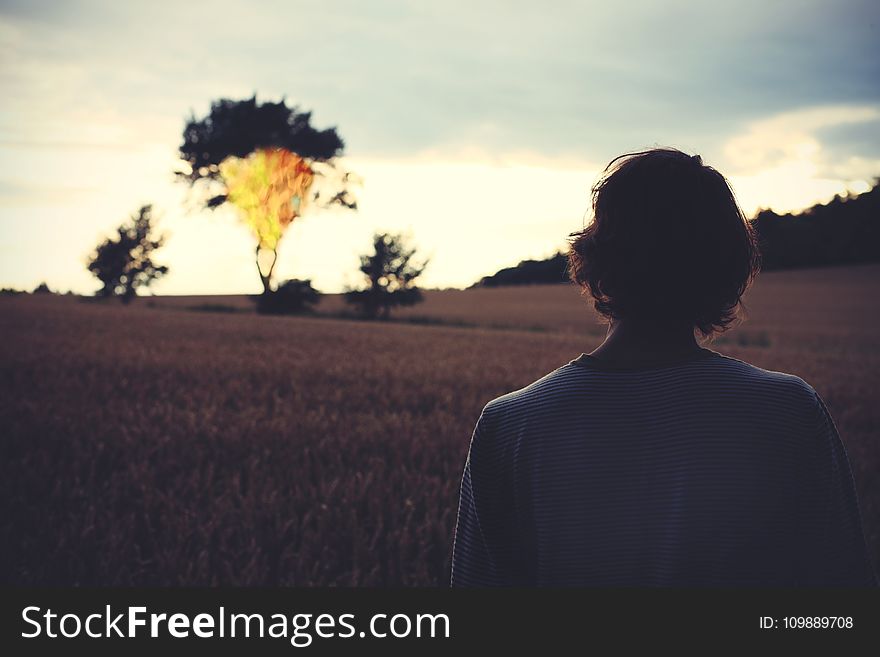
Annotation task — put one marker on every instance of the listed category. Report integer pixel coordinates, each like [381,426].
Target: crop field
[155,445]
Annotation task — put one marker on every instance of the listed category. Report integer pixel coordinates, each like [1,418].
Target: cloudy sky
[478,127]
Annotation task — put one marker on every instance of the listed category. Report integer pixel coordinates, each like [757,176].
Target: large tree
[124,263]
[390,274]
[268,161]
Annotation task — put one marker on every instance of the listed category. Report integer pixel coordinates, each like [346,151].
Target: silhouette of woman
[653,461]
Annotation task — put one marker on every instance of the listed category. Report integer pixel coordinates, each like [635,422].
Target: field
[156,445]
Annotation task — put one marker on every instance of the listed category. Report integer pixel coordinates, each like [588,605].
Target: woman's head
[667,244]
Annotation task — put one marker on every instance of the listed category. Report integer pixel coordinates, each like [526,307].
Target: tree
[390,274]
[268,161]
[124,263]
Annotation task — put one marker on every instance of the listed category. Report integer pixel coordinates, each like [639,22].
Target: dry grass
[150,445]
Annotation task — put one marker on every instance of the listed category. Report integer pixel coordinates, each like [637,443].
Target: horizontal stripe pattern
[705,472]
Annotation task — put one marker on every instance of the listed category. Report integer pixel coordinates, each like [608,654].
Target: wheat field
[154,445]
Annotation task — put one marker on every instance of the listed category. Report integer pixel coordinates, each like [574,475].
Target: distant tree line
[529,272]
[844,231]
[42,288]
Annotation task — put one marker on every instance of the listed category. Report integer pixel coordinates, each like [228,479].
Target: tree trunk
[266,277]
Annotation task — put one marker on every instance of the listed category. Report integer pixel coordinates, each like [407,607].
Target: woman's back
[652,461]
[706,471]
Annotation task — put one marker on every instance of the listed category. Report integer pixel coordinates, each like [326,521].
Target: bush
[293,297]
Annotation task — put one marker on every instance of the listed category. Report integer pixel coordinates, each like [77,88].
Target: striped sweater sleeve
[836,552]
[479,545]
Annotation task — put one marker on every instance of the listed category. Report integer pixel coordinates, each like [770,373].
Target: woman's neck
[639,341]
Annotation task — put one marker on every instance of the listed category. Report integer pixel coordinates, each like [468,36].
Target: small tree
[390,274]
[124,263]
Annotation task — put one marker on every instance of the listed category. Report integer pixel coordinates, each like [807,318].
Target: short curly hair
[667,242]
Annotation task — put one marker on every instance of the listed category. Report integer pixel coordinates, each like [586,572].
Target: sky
[476,127]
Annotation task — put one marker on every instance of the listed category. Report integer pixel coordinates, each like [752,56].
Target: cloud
[791,135]
[584,80]
[783,162]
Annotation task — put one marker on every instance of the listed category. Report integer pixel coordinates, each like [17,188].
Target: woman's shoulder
[766,390]
[553,384]
[749,371]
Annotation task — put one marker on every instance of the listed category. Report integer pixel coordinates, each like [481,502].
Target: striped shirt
[707,471]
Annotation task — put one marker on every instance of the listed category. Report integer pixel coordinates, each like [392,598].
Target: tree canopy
[239,127]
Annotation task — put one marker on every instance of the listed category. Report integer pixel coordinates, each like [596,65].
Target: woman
[653,461]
